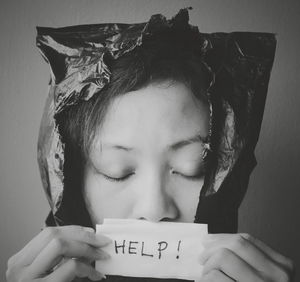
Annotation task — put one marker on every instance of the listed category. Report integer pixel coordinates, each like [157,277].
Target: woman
[152,121]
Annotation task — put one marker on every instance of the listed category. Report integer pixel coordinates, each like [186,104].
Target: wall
[270,210]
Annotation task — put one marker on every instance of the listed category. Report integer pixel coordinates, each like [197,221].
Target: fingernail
[207,240]
[202,258]
[97,276]
[102,255]
[103,240]
[207,243]
[207,237]
[89,229]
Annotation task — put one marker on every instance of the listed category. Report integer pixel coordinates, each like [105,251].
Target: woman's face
[146,161]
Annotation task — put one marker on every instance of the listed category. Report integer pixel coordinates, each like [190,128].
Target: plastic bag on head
[239,64]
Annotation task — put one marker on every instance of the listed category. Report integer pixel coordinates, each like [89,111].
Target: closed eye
[195,174]
[117,179]
[198,176]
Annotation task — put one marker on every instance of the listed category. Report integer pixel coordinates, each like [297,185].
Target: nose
[154,201]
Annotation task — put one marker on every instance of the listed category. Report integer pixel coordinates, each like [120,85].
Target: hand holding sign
[146,249]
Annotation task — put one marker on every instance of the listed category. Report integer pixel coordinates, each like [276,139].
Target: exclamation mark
[178,247]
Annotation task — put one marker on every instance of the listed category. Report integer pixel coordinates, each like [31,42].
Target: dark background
[272,206]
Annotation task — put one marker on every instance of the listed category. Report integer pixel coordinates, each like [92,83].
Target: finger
[216,275]
[253,251]
[71,269]
[275,256]
[232,265]
[72,232]
[60,248]
[245,250]
[26,255]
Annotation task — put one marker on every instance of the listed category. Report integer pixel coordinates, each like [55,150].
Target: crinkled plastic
[240,62]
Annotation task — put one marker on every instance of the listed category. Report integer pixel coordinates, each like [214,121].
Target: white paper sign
[145,249]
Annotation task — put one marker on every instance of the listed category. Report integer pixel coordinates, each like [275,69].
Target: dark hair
[167,56]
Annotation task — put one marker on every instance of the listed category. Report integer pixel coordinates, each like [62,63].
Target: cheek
[186,196]
[105,201]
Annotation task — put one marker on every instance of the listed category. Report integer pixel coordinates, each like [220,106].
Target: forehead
[159,113]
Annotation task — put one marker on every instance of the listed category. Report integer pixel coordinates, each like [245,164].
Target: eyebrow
[191,140]
[198,138]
